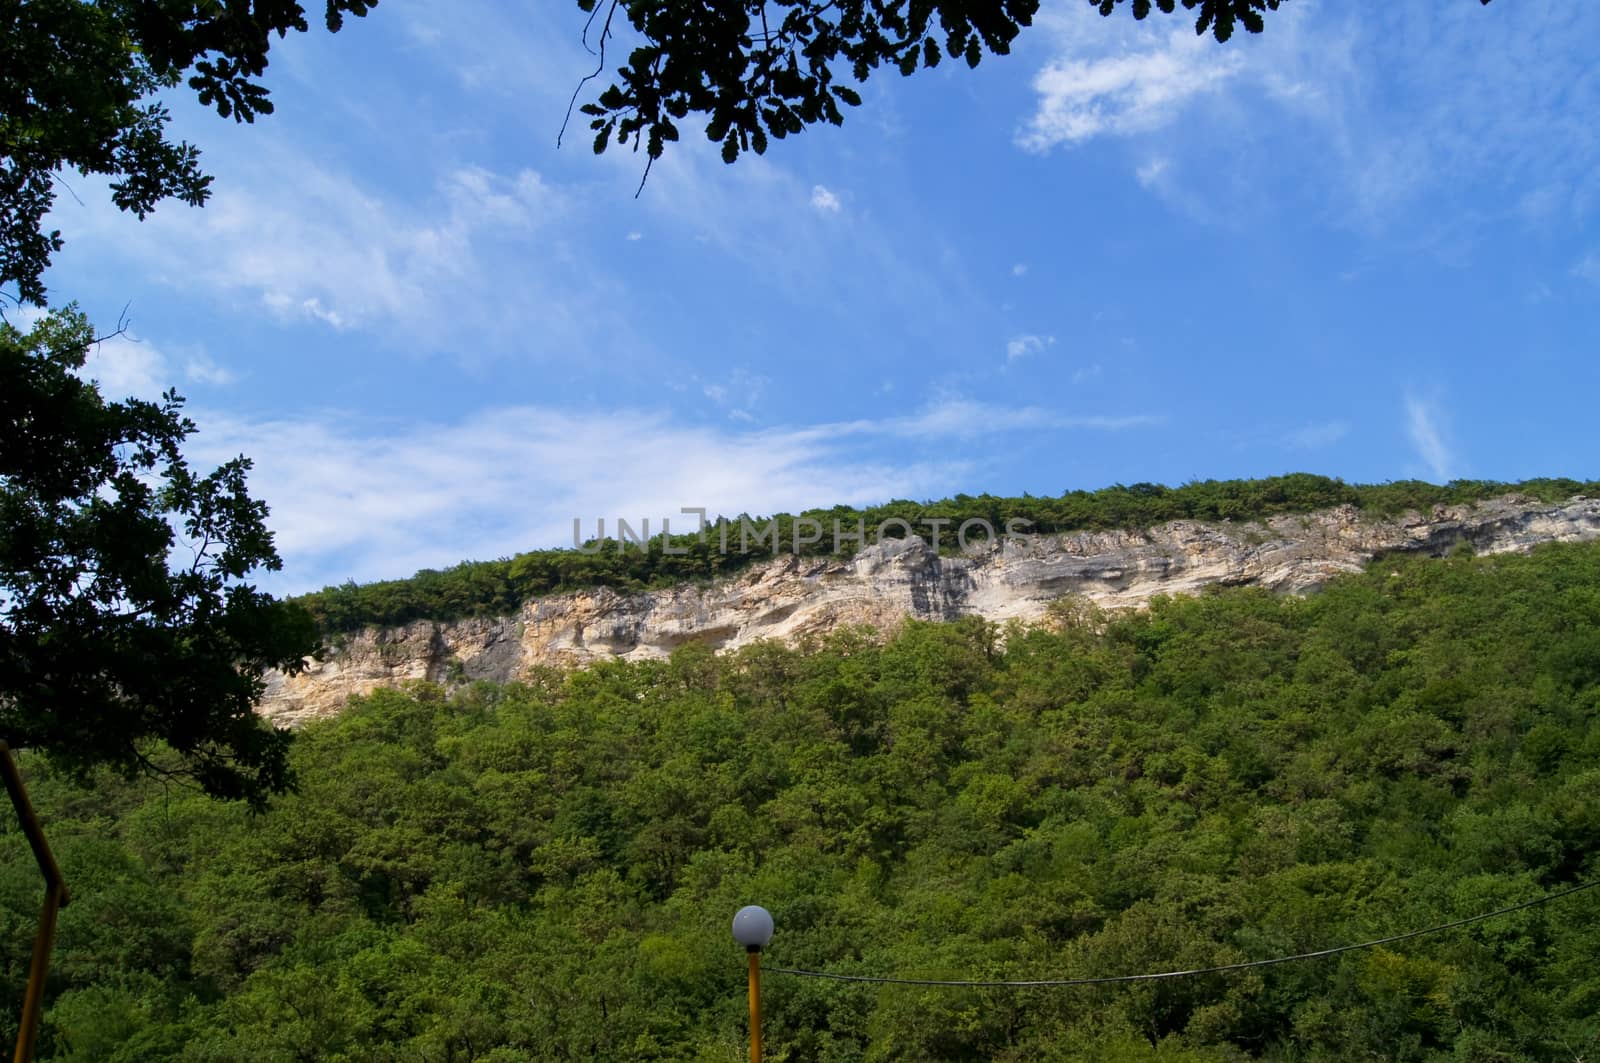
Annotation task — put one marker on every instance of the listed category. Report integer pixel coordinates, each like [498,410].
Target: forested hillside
[546,871]
[498,588]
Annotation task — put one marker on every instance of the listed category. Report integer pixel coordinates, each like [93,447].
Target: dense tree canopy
[753,69]
[124,612]
[78,87]
[546,870]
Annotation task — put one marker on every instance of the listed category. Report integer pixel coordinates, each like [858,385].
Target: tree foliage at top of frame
[78,88]
[755,70]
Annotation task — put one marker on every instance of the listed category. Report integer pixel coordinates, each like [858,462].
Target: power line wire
[1109,979]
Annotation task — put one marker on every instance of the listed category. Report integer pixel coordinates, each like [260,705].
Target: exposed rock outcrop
[885,583]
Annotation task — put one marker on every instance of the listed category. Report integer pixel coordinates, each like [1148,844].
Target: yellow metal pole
[55,897]
[755,1005]
[38,971]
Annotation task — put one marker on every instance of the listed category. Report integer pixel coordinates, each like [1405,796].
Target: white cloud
[1020,269]
[966,418]
[1133,91]
[1587,268]
[532,57]
[635,236]
[200,368]
[284,306]
[1024,346]
[1422,425]
[125,366]
[1102,423]
[824,200]
[1493,108]
[1088,372]
[739,393]
[1318,435]
[1151,173]
[315,245]
[693,195]
[482,199]
[382,502]
[364,500]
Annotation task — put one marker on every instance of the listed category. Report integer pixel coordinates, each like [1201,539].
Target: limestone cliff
[883,584]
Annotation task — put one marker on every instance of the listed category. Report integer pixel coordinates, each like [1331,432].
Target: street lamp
[752,928]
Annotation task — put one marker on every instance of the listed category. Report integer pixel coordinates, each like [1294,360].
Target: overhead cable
[1042,983]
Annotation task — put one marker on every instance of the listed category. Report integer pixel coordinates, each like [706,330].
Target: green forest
[498,588]
[547,870]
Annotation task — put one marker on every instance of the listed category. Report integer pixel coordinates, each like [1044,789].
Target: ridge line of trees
[499,587]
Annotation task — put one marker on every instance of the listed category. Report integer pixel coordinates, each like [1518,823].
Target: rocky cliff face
[883,584]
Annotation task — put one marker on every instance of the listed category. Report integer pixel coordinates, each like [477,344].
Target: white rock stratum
[883,584]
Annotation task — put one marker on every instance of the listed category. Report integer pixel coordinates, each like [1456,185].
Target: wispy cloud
[968,418]
[1132,91]
[312,244]
[1317,435]
[126,366]
[1151,173]
[200,368]
[368,500]
[1422,425]
[824,200]
[1588,268]
[1492,109]
[1024,346]
[738,393]
[493,50]
[963,418]
[729,209]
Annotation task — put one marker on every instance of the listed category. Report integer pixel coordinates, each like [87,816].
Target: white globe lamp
[752,927]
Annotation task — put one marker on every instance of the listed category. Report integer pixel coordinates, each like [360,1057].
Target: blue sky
[1363,244]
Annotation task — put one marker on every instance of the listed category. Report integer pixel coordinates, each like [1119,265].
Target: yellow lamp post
[752,928]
